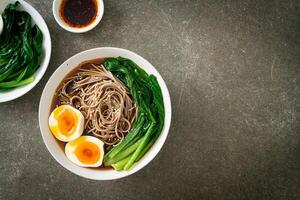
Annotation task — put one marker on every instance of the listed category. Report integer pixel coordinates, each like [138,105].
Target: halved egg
[66,123]
[85,151]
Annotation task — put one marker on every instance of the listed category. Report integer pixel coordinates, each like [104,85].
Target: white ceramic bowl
[37,19]
[45,105]
[64,25]
[1,24]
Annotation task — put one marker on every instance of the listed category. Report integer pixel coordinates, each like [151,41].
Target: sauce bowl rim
[55,9]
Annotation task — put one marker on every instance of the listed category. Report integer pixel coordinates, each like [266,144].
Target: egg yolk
[87,152]
[66,120]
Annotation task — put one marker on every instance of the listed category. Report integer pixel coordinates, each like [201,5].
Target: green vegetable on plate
[20,48]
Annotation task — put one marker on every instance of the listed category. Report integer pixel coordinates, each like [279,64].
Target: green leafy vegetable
[20,48]
[150,120]
[120,164]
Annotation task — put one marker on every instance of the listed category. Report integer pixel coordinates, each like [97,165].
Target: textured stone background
[232,68]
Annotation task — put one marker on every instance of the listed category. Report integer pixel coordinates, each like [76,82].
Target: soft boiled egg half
[85,151]
[66,123]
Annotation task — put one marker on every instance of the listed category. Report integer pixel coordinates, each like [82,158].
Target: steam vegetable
[20,48]
[147,94]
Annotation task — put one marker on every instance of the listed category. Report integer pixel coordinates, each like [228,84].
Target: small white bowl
[64,25]
[45,108]
[36,19]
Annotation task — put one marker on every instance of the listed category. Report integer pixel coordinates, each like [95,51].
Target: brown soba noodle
[103,100]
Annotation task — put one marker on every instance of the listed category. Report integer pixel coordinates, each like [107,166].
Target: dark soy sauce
[78,13]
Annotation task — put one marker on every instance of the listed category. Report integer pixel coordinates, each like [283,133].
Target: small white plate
[64,25]
[45,108]
[36,19]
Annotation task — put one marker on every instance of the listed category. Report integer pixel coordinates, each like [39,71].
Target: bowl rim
[86,172]
[1,24]
[46,57]
[56,14]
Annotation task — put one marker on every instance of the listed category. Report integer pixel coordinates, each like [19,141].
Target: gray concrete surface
[232,68]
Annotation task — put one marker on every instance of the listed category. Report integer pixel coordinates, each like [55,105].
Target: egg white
[79,127]
[70,152]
